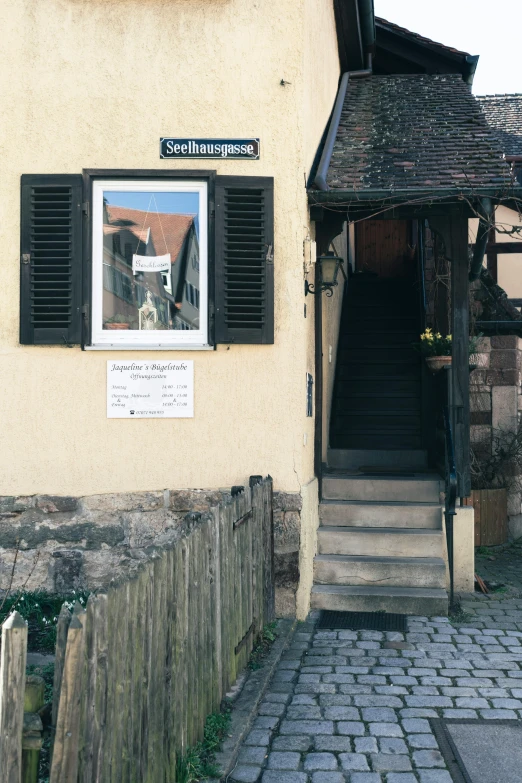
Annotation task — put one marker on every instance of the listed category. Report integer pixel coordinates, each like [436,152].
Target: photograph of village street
[261,391]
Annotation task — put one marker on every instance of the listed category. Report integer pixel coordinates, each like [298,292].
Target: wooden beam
[460,365]
[505,247]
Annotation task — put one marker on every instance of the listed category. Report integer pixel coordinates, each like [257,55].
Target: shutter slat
[51,237]
[244,268]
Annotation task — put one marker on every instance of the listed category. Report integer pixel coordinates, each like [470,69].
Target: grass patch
[41,610]
[198,762]
[457,616]
[262,647]
[483,551]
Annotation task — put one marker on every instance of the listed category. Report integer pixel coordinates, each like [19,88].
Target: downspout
[326,157]
[486,209]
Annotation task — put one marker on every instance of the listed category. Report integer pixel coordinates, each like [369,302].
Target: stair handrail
[451,494]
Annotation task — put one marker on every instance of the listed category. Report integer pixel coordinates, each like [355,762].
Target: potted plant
[437,348]
[118,321]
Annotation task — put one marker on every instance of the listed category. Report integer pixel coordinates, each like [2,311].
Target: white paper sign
[150,390]
[151,263]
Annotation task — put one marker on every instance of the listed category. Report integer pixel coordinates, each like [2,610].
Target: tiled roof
[504,115]
[385,25]
[167,230]
[411,133]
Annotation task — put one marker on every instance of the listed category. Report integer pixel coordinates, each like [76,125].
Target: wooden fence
[491,516]
[141,668]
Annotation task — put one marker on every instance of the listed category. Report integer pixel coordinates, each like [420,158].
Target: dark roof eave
[415,194]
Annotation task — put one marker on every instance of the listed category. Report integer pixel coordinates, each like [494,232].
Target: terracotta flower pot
[436,363]
[116,326]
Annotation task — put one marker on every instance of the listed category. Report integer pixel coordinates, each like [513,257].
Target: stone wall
[66,543]
[287,542]
[496,405]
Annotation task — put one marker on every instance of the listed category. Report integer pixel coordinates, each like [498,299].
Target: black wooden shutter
[51,259]
[244,260]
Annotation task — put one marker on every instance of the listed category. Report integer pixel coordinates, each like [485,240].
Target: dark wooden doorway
[383,247]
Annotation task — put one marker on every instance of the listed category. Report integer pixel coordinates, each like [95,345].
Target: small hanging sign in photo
[151,263]
[237,149]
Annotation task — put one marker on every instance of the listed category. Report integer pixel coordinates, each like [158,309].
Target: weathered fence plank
[12,692]
[65,760]
[64,618]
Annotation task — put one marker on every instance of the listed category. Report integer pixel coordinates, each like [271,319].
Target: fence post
[32,737]
[12,690]
[64,767]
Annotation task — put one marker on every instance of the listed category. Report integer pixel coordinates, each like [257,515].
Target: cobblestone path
[352,707]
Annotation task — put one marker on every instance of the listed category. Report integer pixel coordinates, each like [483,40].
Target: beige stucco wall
[94,84]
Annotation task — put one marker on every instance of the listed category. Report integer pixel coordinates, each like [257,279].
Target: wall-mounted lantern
[329,266]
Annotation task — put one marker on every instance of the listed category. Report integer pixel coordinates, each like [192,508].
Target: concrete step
[379,542]
[421,601]
[423,488]
[357,513]
[384,571]
[355,458]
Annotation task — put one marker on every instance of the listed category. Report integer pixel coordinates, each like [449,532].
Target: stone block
[287,501]
[245,774]
[285,601]
[287,531]
[68,570]
[505,408]
[333,744]
[50,504]
[127,501]
[509,341]
[320,761]
[286,569]
[428,758]
[354,761]
[502,377]
[283,760]
[385,762]
[480,401]
[480,417]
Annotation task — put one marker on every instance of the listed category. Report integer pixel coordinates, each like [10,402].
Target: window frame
[94,181]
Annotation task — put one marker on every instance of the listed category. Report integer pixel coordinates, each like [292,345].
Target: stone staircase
[380,543]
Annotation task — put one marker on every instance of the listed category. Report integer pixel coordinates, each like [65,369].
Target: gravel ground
[501,565]
[353,706]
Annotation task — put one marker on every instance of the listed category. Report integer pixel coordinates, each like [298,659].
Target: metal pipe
[367,23]
[324,163]
[481,242]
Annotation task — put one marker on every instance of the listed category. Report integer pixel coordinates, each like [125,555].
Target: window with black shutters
[244,292]
[230,285]
[51,256]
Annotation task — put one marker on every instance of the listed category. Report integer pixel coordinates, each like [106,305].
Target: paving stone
[354,761]
[425,690]
[328,777]
[277,776]
[401,777]
[306,727]
[258,738]
[341,713]
[390,690]
[418,712]
[366,745]
[422,741]
[416,725]
[303,712]
[320,761]
[379,715]
[265,722]
[471,703]
[428,758]
[252,755]
[404,680]
[455,713]
[315,687]
[333,744]
[277,698]
[356,689]
[337,679]
[385,730]
[498,714]
[316,669]
[297,742]
[392,745]
[434,776]
[304,698]
[507,704]
[377,701]
[283,760]
[245,774]
[351,728]
[365,777]
[385,762]
[428,701]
